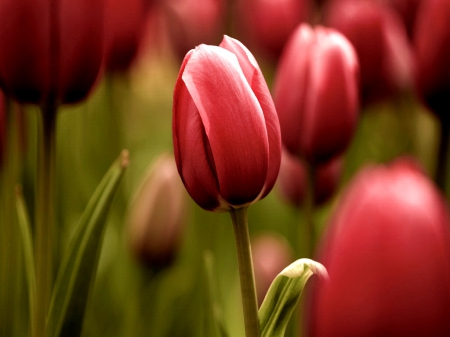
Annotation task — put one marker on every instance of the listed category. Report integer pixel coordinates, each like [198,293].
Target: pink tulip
[387,252]
[268,24]
[292,180]
[225,128]
[316,93]
[381,42]
[432,46]
[125,29]
[157,215]
[50,51]
[271,254]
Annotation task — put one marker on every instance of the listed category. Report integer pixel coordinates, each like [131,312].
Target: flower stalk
[247,280]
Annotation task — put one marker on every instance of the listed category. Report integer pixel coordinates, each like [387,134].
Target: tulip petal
[255,78]
[192,153]
[328,131]
[233,121]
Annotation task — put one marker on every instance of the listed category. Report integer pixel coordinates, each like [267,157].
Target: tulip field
[246,168]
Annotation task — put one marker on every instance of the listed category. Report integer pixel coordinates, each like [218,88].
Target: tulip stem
[309,209]
[247,279]
[442,164]
[44,215]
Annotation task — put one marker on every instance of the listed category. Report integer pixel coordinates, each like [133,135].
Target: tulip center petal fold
[233,120]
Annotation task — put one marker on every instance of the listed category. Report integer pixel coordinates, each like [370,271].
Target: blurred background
[158,287]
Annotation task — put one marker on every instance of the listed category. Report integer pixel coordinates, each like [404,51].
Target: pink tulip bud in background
[50,51]
[292,182]
[271,254]
[193,22]
[157,215]
[125,28]
[432,47]
[267,25]
[316,93]
[381,42]
[225,128]
[387,251]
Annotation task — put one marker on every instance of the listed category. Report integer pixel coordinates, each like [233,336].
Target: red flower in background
[225,128]
[432,47]
[125,28]
[381,42]
[316,93]
[387,252]
[50,51]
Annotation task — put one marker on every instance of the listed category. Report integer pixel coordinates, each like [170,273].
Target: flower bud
[292,178]
[125,21]
[50,51]
[432,47]
[271,254]
[381,42]
[225,128]
[268,24]
[157,215]
[316,93]
[387,252]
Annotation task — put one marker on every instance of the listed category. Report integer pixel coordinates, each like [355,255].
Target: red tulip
[432,45]
[316,93]
[50,51]
[157,215]
[381,43]
[293,176]
[268,24]
[387,252]
[125,29]
[271,254]
[225,128]
[407,9]
[192,22]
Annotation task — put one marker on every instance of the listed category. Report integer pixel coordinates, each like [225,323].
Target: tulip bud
[157,215]
[50,51]
[225,128]
[125,28]
[292,180]
[316,93]
[381,42]
[192,22]
[271,254]
[432,47]
[387,252]
[268,24]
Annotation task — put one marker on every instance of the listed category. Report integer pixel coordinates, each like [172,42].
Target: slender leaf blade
[77,271]
[283,295]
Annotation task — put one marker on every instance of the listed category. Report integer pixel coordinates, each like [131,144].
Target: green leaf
[214,326]
[78,268]
[283,295]
[27,248]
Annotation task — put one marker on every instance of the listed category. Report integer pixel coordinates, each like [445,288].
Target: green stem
[442,164]
[247,280]
[309,209]
[44,215]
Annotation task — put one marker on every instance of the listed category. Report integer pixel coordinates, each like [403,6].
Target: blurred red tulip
[316,93]
[271,254]
[407,9]
[267,24]
[432,43]
[193,22]
[157,215]
[381,43]
[225,128]
[292,182]
[125,20]
[50,51]
[387,252]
